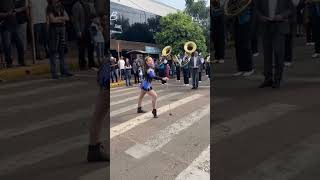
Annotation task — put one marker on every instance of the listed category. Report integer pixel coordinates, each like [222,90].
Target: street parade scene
[159,89]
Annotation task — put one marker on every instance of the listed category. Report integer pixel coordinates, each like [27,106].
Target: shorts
[146,86]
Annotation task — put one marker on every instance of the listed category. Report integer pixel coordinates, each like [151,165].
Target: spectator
[135,71]
[22,15]
[114,74]
[128,69]
[82,12]
[38,16]
[121,65]
[8,30]
[98,39]
[57,33]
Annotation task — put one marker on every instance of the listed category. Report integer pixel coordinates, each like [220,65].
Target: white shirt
[272,8]
[38,11]
[121,64]
[195,58]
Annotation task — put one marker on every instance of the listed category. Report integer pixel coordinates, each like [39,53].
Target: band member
[185,69]
[242,30]
[146,86]
[316,28]
[162,68]
[208,66]
[218,32]
[96,152]
[195,64]
[290,35]
[178,69]
[274,26]
[201,68]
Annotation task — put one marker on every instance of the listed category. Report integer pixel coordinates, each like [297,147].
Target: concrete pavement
[267,133]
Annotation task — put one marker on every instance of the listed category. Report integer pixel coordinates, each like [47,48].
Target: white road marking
[115,102]
[47,102]
[289,163]
[128,125]
[135,91]
[123,90]
[163,137]
[249,120]
[46,89]
[134,106]
[24,83]
[199,169]
[54,121]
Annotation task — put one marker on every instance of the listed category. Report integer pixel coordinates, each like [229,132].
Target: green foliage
[198,10]
[177,29]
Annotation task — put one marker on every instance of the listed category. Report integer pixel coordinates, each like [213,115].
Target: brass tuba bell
[189,48]
[166,51]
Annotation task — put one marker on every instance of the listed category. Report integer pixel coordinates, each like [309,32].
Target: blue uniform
[146,83]
[104,76]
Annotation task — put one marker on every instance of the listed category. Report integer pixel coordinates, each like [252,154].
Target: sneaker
[139,110]
[248,73]
[200,81]
[96,153]
[221,61]
[179,81]
[238,73]
[287,64]
[256,54]
[315,55]
[187,84]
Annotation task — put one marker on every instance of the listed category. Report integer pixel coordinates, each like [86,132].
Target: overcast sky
[179,4]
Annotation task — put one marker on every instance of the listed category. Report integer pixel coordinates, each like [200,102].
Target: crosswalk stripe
[134,106]
[287,164]
[100,174]
[61,119]
[126,126]
[42,153]
[114,95]
[41,90]
[24,83]
[157,141]
[115,102]
[47,102]
[249,120]
[124,89]
[199,169]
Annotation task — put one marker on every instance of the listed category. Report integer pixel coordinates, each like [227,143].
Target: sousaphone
[189,48]
[235,7]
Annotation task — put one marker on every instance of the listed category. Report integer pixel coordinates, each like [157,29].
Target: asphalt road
[43,132]
[267,134]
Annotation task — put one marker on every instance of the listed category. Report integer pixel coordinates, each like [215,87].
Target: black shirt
[5,7]
[57,11]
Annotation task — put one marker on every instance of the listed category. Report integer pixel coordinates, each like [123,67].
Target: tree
[198,10]
[177,29]
[154,24]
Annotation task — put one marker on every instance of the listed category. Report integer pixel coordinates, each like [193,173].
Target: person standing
[98,39]
[113,68]
[8,31]
[316,28]
[308,23]
[38,16]
[178,69]
[195,64]
[82,12]
[20,35]
[242,30]
[128,69]
[218,31]
[162,68]
[57,37]
[135,71]
[121,64]
[274,26]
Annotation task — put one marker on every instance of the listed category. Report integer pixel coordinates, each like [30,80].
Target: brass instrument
[235,7]
[166,51]
[208,59]
[189,48]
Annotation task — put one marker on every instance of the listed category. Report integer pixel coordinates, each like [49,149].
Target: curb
[23,72]
[119,84]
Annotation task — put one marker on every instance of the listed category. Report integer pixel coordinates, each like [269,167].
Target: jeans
[57,50]
[195,77]
[84,42]
[41,39]
[186,75]
[100,51]
[114,75]
[178,71]
[6,44]
[128,77]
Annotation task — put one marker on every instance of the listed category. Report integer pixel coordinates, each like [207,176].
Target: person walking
[185,69]
[195,64]
[57,37]
[274,26]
